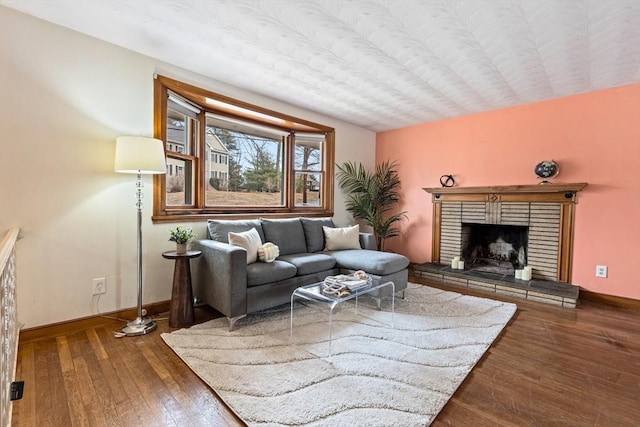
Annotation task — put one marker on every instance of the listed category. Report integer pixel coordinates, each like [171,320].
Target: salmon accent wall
[594,137]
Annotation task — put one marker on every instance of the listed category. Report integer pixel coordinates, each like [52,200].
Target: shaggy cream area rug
[377,375]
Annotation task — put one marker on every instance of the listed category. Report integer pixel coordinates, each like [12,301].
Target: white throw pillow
[341,238]
[268,252]
[249,240]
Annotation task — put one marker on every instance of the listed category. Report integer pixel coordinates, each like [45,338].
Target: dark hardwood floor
[551,366]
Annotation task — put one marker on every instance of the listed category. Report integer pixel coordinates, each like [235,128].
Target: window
[227,157]
[308,168]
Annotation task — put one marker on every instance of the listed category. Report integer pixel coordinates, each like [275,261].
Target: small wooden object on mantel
[181,306]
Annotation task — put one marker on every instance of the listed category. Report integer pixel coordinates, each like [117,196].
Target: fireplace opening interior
[492,248]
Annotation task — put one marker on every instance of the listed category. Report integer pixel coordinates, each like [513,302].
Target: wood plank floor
[551,366]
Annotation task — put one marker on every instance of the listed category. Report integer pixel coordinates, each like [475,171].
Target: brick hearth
[558,293]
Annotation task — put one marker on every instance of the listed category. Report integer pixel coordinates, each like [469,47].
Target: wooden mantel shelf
[509,193]
[509,189]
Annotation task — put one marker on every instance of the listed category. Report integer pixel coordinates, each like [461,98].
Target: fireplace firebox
[494,248]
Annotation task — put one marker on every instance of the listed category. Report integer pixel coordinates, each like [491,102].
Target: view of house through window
[248,164]
[181,148]
[226,158]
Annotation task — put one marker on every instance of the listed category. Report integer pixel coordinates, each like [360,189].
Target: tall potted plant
[371,197]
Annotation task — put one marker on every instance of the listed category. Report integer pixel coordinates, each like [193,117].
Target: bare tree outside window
[254,170]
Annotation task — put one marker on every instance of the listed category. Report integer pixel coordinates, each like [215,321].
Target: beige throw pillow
[341,238]
[249,240]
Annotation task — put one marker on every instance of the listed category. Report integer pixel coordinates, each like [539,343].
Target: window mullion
[290,175]
[200,155]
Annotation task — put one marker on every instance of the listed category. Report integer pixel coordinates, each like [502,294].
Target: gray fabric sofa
[225,281]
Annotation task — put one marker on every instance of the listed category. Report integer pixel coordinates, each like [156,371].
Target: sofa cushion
[341,238]
[373,262]
[260,273]
[313,232]
[287,234]
[249,241]
[309,263]
[219,229]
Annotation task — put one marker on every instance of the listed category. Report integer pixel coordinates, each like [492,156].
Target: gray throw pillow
[313,232]
[287,234]
[219,228]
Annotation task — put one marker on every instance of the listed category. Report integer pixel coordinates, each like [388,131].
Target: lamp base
[140,326]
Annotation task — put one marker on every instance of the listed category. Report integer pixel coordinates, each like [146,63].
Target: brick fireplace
[547,211]
[500,228]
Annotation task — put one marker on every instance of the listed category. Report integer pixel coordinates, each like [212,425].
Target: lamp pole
[140,325]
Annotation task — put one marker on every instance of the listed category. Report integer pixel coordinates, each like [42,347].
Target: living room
[65,98]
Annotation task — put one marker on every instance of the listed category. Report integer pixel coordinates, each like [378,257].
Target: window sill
[196,217]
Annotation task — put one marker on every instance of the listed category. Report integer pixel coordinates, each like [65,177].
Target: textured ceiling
[380,64]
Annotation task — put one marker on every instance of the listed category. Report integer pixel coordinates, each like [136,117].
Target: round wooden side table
[181,306]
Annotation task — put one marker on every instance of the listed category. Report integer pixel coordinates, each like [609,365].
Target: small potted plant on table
[181,236]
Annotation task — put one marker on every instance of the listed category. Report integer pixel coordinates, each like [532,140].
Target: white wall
[64,98]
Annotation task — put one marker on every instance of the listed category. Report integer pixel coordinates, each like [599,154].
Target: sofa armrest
[221,277]
[368,241]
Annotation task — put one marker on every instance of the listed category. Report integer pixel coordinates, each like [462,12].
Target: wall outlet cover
[601,271]
[99,285]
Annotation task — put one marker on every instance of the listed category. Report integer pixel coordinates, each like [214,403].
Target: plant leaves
[370,196]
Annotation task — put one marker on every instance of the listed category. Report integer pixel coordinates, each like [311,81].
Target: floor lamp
[139,155]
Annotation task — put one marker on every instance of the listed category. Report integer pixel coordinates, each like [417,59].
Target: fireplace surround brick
[543,220]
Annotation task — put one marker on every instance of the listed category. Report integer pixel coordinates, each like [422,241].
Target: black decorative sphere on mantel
[547,169]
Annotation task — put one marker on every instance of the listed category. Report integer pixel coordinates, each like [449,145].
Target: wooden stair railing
[9,327]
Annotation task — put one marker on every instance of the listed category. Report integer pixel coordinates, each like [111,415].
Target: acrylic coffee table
[314,293]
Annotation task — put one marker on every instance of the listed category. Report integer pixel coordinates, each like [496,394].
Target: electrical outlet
[99,285]
[601,271]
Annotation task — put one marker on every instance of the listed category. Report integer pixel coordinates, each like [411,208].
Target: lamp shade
[138,154]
